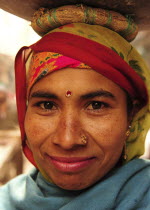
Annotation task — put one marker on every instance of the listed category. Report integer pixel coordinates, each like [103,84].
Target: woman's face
[55,124]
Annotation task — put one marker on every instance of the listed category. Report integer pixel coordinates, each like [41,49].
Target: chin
[72,186]
[73,183]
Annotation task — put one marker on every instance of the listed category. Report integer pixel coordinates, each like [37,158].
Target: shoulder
[133,170]
[138,170]
[136,166]
[15,190]
[135,190]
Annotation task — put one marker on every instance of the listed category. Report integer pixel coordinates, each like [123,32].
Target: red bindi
[68,93]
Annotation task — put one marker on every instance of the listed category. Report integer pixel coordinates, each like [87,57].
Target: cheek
[108,131]
[36,129]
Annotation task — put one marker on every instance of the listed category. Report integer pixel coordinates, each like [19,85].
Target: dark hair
[129,105]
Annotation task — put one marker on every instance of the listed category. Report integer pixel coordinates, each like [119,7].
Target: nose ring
[84,140]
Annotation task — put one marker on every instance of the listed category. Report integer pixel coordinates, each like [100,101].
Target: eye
[95,105]
[46,105]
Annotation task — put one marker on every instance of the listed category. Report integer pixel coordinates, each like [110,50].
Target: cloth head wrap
[103,50]
[44,63]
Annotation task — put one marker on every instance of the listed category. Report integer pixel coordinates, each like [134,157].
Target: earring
[128,131]
[125,156]
[84,140]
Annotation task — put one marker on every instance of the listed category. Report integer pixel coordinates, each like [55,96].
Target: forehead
[77,80]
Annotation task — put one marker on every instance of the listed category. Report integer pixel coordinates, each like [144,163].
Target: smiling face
[55,124]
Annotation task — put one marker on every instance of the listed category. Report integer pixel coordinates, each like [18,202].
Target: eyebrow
[43,94]
[99,93]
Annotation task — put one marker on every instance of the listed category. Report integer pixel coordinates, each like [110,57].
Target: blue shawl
[125,188]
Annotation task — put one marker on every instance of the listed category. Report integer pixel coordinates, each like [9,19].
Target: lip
[70,164]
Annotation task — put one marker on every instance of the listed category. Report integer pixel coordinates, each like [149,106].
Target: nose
[69,131]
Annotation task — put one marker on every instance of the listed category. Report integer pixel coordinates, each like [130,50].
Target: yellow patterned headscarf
[104,51]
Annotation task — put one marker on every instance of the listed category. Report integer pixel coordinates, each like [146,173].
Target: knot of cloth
[44,20]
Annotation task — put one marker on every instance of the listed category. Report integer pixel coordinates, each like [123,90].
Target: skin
[54,125]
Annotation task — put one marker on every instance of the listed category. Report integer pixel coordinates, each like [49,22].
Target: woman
[85,122]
